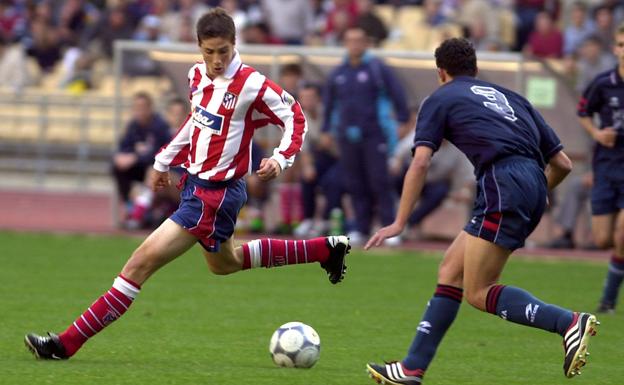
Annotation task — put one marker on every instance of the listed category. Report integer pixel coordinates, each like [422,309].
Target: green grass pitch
[191,327]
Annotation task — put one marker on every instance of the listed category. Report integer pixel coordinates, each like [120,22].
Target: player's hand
[382,234]
[159,180]
[606,136]
[125,160]
[308,173]
[269,169]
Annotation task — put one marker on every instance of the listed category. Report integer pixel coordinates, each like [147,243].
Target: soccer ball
[295,345]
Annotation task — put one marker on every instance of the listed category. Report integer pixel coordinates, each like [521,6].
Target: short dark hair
[457,56]
[216,23]
[291,69]
[145,96]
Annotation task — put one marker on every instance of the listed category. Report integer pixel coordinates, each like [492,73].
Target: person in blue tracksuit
[363,100]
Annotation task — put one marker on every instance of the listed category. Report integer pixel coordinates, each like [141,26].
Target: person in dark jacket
[145,134]
[363,101]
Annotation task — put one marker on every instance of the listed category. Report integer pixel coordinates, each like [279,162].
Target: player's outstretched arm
[558,168]
[412,186]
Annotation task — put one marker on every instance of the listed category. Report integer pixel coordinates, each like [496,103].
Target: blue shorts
[607,194]
[511,198]
[209,210]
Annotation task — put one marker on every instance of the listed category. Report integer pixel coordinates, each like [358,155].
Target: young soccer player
[229,102]
[605,96]
[510,145]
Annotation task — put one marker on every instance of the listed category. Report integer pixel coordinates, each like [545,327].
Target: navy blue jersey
[605,96]
[486,122]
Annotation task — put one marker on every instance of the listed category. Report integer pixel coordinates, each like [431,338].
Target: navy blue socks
[439,315]
[521,307]
[613,281]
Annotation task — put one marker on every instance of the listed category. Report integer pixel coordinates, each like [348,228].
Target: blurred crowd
[76,34]
[37,37]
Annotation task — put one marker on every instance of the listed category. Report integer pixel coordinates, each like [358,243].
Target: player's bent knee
[222,269]
[476,298]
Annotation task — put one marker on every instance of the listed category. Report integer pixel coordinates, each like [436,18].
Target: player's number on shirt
[496,101]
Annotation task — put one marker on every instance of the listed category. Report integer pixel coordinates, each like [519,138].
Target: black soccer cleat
[605,308]
[575,342]
[394,373]
[335,266]
[45,348]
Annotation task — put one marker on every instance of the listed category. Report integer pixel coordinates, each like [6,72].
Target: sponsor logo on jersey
[207,121]
[229,100]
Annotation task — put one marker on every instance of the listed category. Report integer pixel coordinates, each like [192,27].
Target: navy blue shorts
[607,195]
[209,210]
[511,198]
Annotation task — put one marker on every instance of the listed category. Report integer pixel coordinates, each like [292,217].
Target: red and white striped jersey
[214,142]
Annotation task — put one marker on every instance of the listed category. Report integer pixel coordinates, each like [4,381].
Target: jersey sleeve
[549,143]
[284,112]
[176,151]
[591,100]
[430,124]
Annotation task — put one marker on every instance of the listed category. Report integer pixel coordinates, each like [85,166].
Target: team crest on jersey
[205,120]
[229,100]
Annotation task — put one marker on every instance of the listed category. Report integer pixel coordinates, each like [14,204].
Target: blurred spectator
[526,13]
[145,134]
[591,61]
[319,167]
[605,26]
[75,17]
[114,25]
[150,29]
[258,33]
[481,23]
[574,202]
[433,12]
[477,33]
[546,41]
[320,9]
[289,20]
[238,15]
[10,20]
[290,79]
[44,42]
[577,30]
[342,16]
[179,24]
[149,209]
[14,74]
[359,97]
[449,168]
[372,24]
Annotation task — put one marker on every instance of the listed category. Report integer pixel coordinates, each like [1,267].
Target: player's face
[218,53]
[618,49]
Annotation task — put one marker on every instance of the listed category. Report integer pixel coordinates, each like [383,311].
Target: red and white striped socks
[110,306]
[279,252]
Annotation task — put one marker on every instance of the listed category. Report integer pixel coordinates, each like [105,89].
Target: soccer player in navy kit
[229,102]
[605,96]
[517,159]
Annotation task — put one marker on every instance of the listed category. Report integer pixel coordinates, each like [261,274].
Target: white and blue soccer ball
[295,345]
